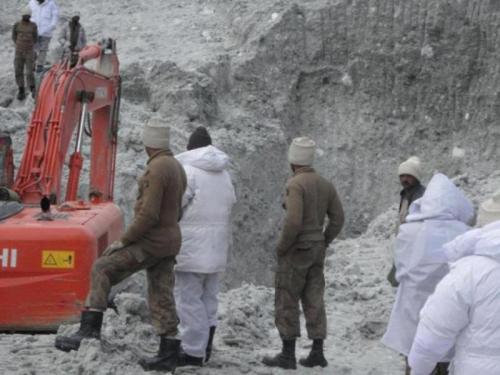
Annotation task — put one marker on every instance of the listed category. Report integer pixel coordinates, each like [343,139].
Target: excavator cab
[50,235]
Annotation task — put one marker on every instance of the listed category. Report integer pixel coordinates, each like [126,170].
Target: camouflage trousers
[23,64]
[109,270]
[300,279]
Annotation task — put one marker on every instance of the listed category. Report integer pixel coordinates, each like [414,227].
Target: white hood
[482,241]
[442,200]
[435,219]
[209,158]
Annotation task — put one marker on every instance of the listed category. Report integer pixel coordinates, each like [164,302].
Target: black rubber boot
[90,327]
[185,359]
[166,359]
[316,356]
[208,352]
[285,359]
[21,93]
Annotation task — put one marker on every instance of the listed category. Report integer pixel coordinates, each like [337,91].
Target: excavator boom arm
[46,255]
[66,97]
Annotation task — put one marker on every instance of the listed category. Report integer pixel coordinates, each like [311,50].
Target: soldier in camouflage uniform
[151,242]
[301,256]
[24,36]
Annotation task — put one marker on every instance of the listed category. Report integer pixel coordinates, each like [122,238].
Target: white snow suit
[435,219]
[206,235]
[464,311]
[45,16]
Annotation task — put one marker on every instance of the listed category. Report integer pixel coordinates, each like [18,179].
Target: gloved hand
[117,245]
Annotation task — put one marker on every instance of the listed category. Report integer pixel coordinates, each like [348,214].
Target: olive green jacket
[24,35]
[309,199]
[158,207]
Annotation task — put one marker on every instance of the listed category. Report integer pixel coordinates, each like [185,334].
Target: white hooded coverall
[206,236]
[464,312]
[435,219]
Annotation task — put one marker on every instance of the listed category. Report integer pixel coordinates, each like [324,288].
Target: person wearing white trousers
[206,235]
[196,299]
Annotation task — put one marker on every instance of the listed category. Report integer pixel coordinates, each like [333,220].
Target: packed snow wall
[373,81]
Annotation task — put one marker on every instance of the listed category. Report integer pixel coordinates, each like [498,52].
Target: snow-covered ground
[358,301]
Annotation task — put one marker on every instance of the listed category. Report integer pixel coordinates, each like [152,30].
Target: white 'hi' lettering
[5,258]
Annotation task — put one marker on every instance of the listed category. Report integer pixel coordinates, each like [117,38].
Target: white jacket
[45,16]
[435,219]
[207,205]
[464,311]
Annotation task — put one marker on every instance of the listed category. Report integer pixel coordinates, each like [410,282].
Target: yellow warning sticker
[58,259]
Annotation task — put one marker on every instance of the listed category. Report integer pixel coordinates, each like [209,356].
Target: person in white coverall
[206,235]
[463,314]
[45,14]
[435,219]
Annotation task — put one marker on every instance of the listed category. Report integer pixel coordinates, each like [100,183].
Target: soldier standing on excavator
[151,242]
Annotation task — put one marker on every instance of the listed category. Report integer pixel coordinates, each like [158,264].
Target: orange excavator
[49,235]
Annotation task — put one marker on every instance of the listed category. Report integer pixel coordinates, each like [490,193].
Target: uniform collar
[304,170]
[165,152]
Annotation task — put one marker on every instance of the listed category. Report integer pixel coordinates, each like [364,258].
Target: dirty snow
[358,301]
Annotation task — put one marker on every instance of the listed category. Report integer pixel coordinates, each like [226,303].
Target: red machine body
[46,257]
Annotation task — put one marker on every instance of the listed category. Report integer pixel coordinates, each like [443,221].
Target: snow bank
[258,73]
